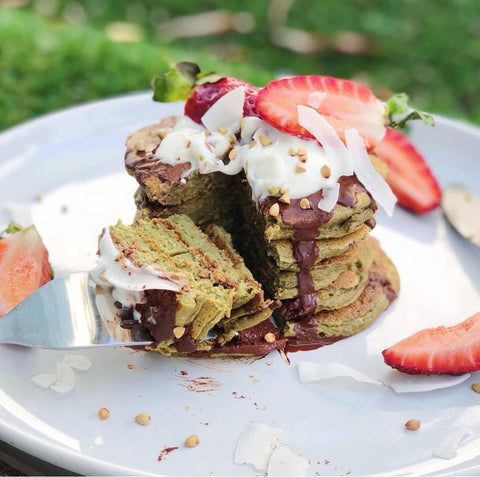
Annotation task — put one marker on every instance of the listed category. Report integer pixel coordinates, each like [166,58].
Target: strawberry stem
[12,228]
[397,105]
[177,84]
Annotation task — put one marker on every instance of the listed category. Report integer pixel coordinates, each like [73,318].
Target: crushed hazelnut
[162,133]
[178,331]
[103,413]
[285,198]
[303,159]
[292,151]
[252,143]
[139,146]
[265,141]
[412,424]
[302,151]
[299,169]
[143,419]
[269,338]
[203,273]
[476,387]
[274,210]
[192,441]
[273,190]
[222,129]
[283,190]
[305,203]
[232,155]
[207,132]
[326,171]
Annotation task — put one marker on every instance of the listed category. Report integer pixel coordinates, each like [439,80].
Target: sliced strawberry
[409,176]
[24,267]
[205,95]
[441,350]
[345,105]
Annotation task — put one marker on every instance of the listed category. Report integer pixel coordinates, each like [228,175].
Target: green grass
[428,49]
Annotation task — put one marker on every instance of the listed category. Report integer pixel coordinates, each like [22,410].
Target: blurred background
[58,53]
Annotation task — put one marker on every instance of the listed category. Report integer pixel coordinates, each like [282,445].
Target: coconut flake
[226,112]
[254,445]
[77,361]
[309,372]
[283,462]
[326,135]
[447,446]
[65,379]
[406,383]
[316,98]
[44,380]
[367,174]
[329,198]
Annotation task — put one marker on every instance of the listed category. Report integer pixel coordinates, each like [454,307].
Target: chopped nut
[273,190]
[476,387]
[207,132]
[222,129]
[139,146]
[302,151]
[162,133]
[412,424]
[305,203]
[103,413]
[274,210]
[143,419]
[303,159]
[299,169]
[326,171]
[269,338]
[252,143]
[292,151]
[232,155]
[285,198]
[203,274]
[178,331]
[283,190]
[192,441]
[265,141]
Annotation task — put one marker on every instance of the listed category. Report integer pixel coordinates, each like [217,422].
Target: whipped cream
[273,160]
[128,281]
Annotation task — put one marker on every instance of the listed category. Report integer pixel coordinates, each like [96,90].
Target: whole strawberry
[204,95]
[200,90]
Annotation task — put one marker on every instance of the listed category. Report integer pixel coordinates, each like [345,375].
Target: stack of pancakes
[331,278]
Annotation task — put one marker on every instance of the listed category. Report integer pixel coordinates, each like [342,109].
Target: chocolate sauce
[159,318]
[305,224]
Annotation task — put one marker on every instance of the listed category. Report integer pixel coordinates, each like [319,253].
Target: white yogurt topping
[127,280]
[269,157]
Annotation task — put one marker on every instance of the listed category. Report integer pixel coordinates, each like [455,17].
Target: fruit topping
[409,176]
[344,104]
[441,350]
[24,265]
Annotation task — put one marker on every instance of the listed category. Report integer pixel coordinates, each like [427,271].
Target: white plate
[74,159]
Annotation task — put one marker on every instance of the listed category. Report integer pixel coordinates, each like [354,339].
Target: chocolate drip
[307,336]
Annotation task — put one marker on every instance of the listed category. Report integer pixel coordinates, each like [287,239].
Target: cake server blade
[462,209]
[60,315]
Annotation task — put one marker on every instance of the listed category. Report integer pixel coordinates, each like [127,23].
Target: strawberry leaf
[397,105]
[11,229]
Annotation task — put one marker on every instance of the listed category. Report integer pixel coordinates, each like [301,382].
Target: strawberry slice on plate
[204,95]
[409,175]
[24,265]
[441,350]
[344,105]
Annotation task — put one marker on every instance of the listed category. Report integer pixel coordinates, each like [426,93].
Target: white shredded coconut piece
[367,174]
[407,383]
[309,372]
[44,380]
[77,361]
[65,379]
[447,446]
[283,462]
[316,98]
[226,112]
[329,197]
[254,445]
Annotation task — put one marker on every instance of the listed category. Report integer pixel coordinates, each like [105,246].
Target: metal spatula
[60,315]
